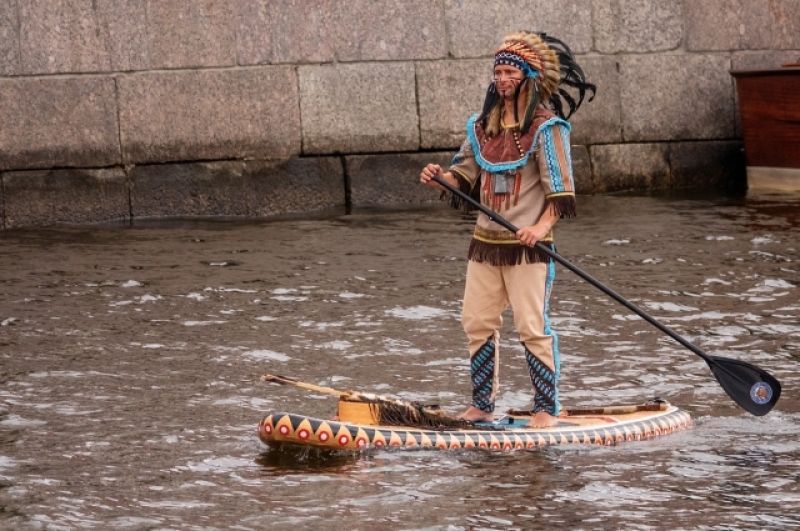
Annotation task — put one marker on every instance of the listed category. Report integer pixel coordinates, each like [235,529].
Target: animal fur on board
[389,411]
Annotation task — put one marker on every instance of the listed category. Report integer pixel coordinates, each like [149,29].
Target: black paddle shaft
[751,387]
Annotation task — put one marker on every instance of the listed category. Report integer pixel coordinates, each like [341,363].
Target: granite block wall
[122,109]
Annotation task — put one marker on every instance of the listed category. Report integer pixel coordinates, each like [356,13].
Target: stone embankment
[119,110]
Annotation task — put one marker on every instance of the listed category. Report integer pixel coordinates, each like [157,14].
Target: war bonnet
[550,71]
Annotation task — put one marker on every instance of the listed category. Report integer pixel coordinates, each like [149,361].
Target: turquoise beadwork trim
[548,330]
[510,165]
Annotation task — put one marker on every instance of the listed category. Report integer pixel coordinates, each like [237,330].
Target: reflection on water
[131,359]
[289,459]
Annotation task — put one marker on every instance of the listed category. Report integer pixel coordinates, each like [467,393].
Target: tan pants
[526,288]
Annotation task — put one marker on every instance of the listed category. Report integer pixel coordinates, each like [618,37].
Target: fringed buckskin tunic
[536,169]
[519,176]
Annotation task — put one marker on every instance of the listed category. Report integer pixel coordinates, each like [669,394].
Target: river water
[131,356]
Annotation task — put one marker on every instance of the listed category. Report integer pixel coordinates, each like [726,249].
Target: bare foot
[473,414]
[542,419]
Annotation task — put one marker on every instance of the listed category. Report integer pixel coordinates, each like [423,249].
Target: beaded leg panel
[545,385]
[482,368]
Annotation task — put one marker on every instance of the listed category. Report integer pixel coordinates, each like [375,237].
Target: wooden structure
[769,105]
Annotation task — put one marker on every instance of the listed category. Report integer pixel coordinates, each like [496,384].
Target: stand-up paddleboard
[366,421]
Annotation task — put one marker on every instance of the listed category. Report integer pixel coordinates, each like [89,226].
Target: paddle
[753,388]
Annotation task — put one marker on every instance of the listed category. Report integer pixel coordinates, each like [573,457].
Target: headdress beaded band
[504,57]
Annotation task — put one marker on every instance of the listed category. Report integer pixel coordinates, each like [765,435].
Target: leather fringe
[564,206]
[458,203]
[506,254]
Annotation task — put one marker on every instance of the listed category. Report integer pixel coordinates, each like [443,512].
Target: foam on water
[321,326]
[779,329]
[218,465]
[351,295]
[270,355]
[176,504]
[339,344]
[710,281]
[669,307]
[416,313]
[731,331]
[289,298]
[230,290]
[283,291]
[15,421]
[610,494]
[763,240]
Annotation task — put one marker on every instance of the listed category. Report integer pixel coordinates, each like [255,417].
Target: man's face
[506,79]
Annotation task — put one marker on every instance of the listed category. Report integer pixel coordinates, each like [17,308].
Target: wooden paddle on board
[388,411]
[753,388]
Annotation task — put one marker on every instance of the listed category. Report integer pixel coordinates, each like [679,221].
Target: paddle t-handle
[753,388]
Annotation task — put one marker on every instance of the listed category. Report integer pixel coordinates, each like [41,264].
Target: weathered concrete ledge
[263,189]
[391,180]
[251,189]
[248,189]
[55,197]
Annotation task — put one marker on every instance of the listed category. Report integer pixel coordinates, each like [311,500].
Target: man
[516,160]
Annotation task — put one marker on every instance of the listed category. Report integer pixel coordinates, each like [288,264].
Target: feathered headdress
[549,67]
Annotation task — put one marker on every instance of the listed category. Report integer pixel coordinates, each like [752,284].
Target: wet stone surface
[130,362]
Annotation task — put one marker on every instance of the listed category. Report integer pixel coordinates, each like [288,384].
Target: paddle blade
[754,389]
